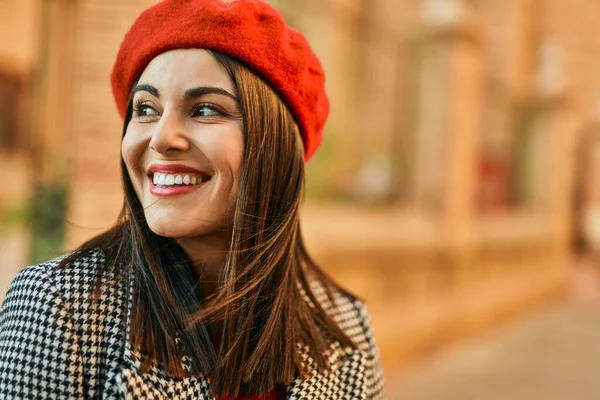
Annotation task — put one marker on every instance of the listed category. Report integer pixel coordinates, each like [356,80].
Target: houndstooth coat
[56,344]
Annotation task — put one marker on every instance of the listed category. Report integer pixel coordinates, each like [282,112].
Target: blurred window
[514,136]
[504,126]
[362,158]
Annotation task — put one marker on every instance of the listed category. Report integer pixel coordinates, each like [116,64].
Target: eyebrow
[189,94]
[204,90]
[146,88]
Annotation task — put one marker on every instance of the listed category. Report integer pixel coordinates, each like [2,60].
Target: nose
[170,135]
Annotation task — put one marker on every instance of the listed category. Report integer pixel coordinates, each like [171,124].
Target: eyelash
[210,106]
[139,105]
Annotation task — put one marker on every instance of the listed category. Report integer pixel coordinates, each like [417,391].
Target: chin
[169,228]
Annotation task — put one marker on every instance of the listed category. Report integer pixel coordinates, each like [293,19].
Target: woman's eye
[146,111]
[205,111]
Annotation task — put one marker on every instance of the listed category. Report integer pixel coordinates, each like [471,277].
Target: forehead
[181,69]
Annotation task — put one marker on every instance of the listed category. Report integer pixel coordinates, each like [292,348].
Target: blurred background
[457,190]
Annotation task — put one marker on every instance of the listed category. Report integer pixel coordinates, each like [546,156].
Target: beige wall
[20,29]
[19,53]
[573,27]
[96,187]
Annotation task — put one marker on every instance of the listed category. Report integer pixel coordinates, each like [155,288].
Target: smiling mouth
[174,180]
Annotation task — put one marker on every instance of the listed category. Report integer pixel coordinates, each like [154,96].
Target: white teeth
[170,180]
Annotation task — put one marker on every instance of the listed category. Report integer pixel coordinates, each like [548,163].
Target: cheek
[131,152]
[233,151]
[233,158]
[237,158]
[225,149]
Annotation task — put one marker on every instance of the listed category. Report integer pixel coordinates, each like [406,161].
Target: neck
[208,255]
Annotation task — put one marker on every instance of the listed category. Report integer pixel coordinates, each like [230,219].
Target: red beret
[251,31]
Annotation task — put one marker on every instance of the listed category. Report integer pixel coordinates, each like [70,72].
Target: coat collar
[346,379]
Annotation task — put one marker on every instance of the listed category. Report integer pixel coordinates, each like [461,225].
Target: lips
[175,179]
[176,169]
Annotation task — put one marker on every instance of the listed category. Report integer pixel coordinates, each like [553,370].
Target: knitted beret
[250,31]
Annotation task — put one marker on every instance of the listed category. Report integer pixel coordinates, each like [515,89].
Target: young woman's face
[184,145]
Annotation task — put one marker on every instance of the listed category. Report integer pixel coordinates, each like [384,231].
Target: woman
[204,287]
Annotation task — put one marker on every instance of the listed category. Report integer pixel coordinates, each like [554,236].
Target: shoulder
[348,311]
[80,263]
[352,316]
[31,296]
[32,284]
[46,285]
[37,337]
[29,293]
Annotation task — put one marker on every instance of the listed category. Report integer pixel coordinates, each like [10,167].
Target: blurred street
[460,168]
[553,354]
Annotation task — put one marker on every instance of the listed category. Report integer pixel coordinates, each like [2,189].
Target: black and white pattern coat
[57,344]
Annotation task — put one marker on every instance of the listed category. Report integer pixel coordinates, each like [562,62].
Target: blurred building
[19,57]
[461,132]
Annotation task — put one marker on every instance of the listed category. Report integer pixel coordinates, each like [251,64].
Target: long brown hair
[264,300]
